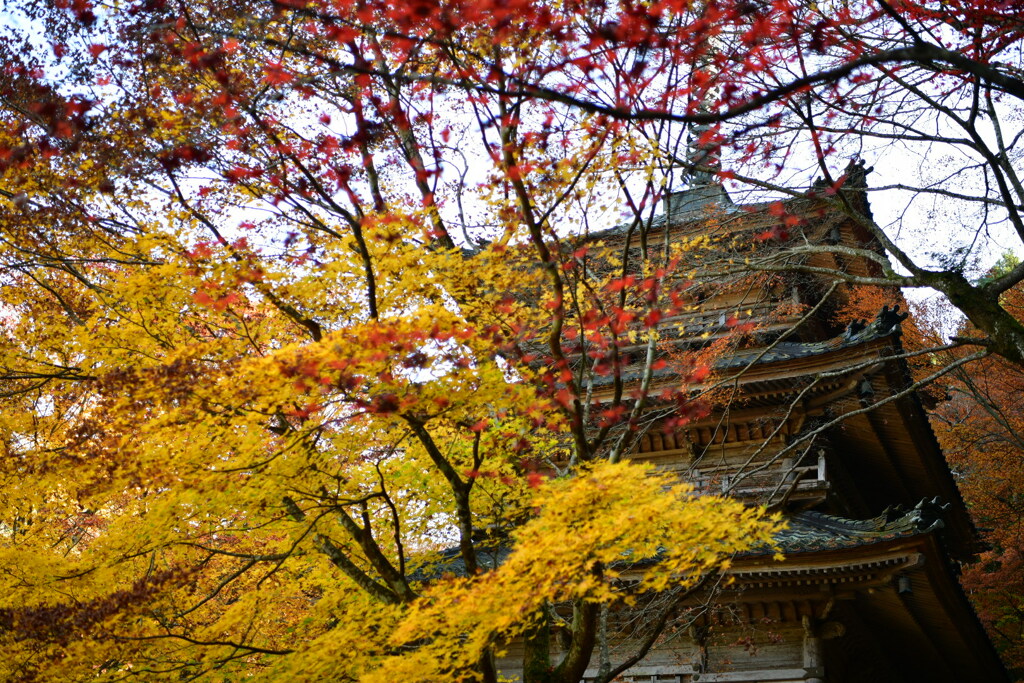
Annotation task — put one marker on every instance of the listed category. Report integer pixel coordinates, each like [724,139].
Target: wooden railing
[775,479]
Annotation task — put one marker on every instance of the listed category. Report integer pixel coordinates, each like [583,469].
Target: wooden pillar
[814,654]
[816,632]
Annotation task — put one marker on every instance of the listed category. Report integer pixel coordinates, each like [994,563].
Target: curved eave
[852,352]
[905,591]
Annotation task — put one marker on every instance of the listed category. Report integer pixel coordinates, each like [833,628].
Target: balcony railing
[773,480]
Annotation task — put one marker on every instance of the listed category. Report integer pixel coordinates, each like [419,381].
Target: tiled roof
[884,324]
[859,332]
[451,563]
[814,531]
[806,532]
[694,206]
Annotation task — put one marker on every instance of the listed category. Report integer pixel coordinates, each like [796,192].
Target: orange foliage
[981,428]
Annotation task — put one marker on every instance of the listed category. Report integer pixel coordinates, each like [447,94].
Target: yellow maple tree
[280,378]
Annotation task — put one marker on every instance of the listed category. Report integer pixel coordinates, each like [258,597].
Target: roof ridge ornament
[855,327]
[856,174]
[854,177]
[888,318]
[926,516]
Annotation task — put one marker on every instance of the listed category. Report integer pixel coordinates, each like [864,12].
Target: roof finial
[703,159]
[703,149]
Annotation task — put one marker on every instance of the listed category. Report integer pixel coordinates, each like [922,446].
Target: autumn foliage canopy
[306,317]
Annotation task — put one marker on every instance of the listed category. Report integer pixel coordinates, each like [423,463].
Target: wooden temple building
[821,425]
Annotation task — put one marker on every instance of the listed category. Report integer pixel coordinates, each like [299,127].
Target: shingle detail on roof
[694,206]
[814,531]
[806,532]
[858,332]
[886,323]
[451,562]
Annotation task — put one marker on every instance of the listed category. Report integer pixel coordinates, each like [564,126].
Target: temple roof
[813,531]
[806,532]
[886,323]
[694,206]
